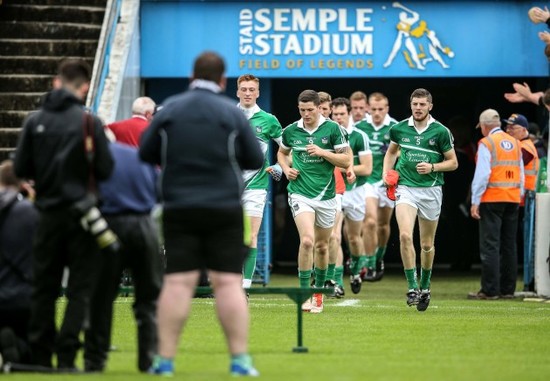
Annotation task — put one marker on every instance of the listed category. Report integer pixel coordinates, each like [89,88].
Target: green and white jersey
[359,144]
[266,127]
[427,146]
[379,137]
[316,178]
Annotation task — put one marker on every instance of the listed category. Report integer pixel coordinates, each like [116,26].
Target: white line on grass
[348,303]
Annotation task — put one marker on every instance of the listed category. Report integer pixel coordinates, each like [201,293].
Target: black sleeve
[150,142]
[526,156]
[248,150]
[541,102]
[23,164]
[103,160]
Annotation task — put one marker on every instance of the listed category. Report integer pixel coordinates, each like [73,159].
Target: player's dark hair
[309,96]
[421,93]
[341,101]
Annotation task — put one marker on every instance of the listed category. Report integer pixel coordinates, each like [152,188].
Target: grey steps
[55,13]
[87,3]
[20,101]
[15,118]
[40,47]
[49,30]
[23,83]
[5,153]
[32,64]
[9,137]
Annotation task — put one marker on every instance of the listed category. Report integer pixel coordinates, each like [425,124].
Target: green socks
[339,275]
[380,251]
[410,274]
[250,266]
[330,271]
[355,264]
[425,277]
[320,277]
[305,276]
[370,261]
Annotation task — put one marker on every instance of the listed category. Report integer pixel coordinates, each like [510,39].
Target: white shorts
[338,202]
[426,199]
[353,204]
[254,202]
[325,211]
[378,191]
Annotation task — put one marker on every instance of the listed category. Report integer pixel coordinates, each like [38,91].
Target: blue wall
[344,39]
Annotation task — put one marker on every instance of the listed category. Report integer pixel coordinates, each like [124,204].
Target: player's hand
[474,212]
[424,168]
[350,176]
[314,150]
[292,174]
[545,37]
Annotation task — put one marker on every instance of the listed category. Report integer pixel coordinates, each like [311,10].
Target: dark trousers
[60,241]
[140,253]
[17,319]
[497,247]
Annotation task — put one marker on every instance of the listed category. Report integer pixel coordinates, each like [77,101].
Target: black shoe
[8,343]
[413,297]
[329,283]
[339,291]
[424,300]
[379,271]
[370,275]
[355,283]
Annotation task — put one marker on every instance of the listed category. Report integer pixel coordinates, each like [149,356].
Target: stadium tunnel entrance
[457,104]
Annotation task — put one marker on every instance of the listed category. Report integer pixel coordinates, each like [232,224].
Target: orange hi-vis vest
[504,181]
[532,169]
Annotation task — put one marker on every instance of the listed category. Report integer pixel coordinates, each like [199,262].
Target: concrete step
[40,47]
[19,83]
[90,3]
[13,118]
[33,65]
[49,30]
[8,137]
[5,153]
[57,13]
[20,101]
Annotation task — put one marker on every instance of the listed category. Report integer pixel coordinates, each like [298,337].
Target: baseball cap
[517,119]
[488,116]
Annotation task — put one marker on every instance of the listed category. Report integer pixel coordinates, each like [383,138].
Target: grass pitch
[371,336]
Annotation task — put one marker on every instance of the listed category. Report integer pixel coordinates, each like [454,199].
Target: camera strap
[89,148]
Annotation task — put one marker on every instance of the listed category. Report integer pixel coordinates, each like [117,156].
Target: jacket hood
[59,99]
[7,197]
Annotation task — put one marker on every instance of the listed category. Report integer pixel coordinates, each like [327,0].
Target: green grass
[376,338]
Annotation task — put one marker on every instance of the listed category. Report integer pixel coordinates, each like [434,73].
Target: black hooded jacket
[51,151]
[18,220]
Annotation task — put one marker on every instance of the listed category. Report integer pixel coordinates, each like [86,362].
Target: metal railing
[103,54]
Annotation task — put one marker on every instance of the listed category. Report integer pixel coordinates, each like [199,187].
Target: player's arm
[339,158]
[364,168]
[284,160]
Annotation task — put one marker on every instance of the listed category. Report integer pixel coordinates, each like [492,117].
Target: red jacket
[129,131]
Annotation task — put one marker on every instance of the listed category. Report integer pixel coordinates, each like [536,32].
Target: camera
[93,222]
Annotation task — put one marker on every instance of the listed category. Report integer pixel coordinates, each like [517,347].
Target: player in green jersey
[426,151]
[353,201]
[359,107]
[266,127]
[376,227]
[317,145]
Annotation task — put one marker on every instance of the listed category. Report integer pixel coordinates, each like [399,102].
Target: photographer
[128,197]
[51,151]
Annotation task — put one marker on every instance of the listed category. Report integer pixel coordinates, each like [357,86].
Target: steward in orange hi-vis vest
[532,167]
[504,182]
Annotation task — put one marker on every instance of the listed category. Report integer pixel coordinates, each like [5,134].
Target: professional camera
[93,222]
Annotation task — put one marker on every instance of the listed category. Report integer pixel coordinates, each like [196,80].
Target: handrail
[103,54]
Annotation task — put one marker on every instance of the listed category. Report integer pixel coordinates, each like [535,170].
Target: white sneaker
[317,303]
[306,307]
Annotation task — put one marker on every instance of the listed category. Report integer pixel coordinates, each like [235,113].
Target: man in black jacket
[18,220]
[202,142]
[51,152]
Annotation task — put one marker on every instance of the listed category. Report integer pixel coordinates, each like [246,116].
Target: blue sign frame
[344,39]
